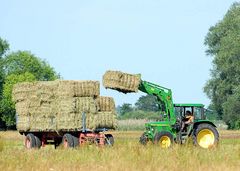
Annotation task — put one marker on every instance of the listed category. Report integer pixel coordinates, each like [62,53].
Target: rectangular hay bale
[78,88]
[23,122]
[106,104]
[105,120]
[43,122]
[86,104]
[87,88]
[122,82]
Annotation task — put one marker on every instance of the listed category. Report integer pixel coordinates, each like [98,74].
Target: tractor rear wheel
[205,136]
[164,139]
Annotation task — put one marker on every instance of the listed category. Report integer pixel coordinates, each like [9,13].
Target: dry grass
[126,154]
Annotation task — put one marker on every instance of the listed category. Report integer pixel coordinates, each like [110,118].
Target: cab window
[198,113]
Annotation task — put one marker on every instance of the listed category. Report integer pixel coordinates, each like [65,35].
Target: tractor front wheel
[164,139]
[205,136]
[143,139]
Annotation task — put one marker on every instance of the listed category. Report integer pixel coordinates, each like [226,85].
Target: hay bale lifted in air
[122,82]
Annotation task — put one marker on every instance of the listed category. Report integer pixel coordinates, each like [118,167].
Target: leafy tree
[223,45]
[125,108]
[4,47]
[23,61]
[147,103]
[231,110]
[6,105]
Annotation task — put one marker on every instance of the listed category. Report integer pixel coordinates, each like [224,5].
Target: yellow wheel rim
[165,142]
[205,138]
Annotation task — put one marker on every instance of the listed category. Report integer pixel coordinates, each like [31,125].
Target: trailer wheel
[75,141]
[205,136]
[164,139]
[109,140]
[38,142]
[68,141]
[30,141]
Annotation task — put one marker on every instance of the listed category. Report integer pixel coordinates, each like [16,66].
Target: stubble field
[126,154]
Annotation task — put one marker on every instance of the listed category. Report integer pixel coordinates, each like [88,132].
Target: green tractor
[171,128]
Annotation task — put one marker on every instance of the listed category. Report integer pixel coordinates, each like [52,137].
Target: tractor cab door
[180,111]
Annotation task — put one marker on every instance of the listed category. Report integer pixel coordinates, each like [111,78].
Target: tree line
[146,107]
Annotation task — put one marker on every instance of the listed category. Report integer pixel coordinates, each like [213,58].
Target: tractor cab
[196,109]
[184,112]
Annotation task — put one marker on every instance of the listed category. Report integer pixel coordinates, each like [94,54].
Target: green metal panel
[188,105]
[164,96]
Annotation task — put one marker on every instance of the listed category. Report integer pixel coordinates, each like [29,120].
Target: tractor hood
[155,124]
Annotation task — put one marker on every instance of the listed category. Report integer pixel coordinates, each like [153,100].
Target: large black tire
[109,140]
[67,141]
[38,142]
[30,141]
[75,141]
[143,139]
[205,135]
[164,139]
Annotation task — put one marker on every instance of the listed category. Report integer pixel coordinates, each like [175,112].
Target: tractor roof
[188,105]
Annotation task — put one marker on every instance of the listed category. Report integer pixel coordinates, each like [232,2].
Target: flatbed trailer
[69,138]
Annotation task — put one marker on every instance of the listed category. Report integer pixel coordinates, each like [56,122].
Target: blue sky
[161,39]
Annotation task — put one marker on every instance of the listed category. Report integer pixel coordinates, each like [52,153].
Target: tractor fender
[195,125]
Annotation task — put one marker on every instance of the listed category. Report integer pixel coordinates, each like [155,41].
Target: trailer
[68,138]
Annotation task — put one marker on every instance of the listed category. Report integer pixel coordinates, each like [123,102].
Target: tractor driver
[187,120]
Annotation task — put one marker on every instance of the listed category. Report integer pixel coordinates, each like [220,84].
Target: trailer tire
[164,139]
[205,136]
[38,142]
[67,141]
[30,141]
[75,141]
[109,140]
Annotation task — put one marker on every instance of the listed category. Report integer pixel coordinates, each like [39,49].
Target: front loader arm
[164,96]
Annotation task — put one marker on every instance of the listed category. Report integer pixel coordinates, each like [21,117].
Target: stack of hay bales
[121,81]
[58,105]
[106,117]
